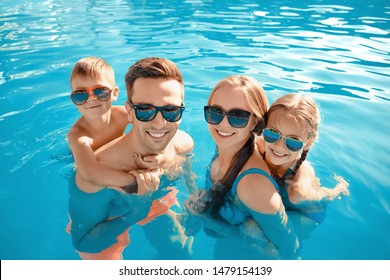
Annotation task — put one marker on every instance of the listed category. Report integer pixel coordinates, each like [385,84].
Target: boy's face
[94,106]
[156,134]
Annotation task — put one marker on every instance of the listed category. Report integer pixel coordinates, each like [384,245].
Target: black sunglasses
[147,112]
[237,118]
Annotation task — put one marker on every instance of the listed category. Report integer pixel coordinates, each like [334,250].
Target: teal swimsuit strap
[253,171]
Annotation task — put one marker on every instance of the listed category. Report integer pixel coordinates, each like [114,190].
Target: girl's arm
[90,169]
[305,187]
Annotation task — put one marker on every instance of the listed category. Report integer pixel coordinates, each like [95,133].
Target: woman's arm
[263,202]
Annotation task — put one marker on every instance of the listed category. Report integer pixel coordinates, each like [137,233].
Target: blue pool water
[336,50]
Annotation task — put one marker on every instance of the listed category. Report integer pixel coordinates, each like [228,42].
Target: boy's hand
[147,180]
[148,162]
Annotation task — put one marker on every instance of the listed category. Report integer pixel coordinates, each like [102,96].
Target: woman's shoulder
[256,189]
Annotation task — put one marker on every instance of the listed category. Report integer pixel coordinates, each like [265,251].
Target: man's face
[156,134]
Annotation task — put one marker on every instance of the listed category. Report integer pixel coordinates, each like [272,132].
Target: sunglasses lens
[79,97]
[103,94]
[145,113]
[172,113]
[294,145]
[238,118]
[271,136]
[213,115]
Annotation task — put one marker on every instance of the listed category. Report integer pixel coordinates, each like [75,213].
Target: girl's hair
[152,67]
[305,111]
[258,104]
[93,67]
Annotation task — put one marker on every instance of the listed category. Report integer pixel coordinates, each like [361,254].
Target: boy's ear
[129,111]
[114,94]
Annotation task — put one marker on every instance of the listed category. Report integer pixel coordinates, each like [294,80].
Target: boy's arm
[305,187]
[90,169]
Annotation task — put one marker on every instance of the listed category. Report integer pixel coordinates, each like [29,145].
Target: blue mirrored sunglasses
[292,143]
[79,97]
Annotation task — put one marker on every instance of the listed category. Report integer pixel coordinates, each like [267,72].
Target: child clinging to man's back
[291,129]
[93,91]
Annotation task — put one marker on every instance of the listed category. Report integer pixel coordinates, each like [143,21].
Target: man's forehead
[152,90]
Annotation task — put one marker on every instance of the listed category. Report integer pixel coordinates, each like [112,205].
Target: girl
[239,186]
[291,129]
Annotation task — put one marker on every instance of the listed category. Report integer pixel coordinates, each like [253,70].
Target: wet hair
[152,67]
[305,111]
[93,67]
[258,104]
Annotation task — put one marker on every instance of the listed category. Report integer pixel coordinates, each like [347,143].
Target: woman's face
[225,135]
[287,126]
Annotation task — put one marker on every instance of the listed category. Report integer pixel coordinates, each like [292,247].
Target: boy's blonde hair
[93,67]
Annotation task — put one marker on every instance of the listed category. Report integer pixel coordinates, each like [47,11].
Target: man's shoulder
[183,142]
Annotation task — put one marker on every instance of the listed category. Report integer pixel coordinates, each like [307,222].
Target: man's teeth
[225,133]
[157,134]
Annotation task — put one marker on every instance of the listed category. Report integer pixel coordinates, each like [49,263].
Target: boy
[93,90]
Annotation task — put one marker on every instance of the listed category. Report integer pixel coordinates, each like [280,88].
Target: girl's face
[225,135]
[287,126]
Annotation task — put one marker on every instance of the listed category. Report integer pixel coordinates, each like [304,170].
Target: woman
[240,189]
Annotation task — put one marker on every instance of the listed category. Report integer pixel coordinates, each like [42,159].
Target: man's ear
[129,111]
[114,94]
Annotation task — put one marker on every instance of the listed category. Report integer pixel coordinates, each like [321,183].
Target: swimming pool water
[335,50]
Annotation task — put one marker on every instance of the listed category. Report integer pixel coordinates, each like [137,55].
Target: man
[155,105]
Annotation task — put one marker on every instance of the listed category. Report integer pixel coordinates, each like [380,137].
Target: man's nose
[159,121]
